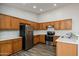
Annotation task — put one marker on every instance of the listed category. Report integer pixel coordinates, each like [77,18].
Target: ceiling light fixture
[55,4]
[34,6]
[41,9]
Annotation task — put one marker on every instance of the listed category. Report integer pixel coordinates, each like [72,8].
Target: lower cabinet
[66,49]
[42,38]
[17,45]
[5,48]
[36,39]
[8,47]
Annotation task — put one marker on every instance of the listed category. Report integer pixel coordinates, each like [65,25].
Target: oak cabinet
[41,26]
[5,22]
[22,21]
[36,26]
[5,48]
[66,49]
[8,23]
[36,39]
[15,23]
[8,47]
[68,24]
[17,45]
[62,25]
[57,25]
[42,38]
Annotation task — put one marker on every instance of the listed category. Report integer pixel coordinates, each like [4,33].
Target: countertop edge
[10,38]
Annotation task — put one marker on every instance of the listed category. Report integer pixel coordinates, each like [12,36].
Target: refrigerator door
[29,40]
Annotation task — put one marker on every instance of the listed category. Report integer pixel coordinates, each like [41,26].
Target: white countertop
[9,38]
[68,40]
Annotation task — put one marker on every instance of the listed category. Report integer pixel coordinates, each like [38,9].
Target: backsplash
[8,34]
[57,32]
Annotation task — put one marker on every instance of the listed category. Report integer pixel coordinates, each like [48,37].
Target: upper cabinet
[5,22]
[58,25]
[8,23]
[15,23]
[36,26]
[62,25]
[40,26]
[68,24]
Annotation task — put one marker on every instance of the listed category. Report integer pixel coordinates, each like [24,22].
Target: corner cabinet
[66,49]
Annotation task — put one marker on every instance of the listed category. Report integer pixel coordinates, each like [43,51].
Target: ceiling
[29,6]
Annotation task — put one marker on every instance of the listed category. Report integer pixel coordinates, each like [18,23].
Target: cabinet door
[14,23]
[17,45]
[45,26]
[5,22]
[42,38]
[41,26]
[36,27]
[68,24]
[66,49]
[5,48]
[57,25]
[62,25]
[36,39]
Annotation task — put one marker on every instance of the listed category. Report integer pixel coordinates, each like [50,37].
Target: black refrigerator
[26,32]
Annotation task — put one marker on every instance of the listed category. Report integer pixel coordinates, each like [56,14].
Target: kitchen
[63,18]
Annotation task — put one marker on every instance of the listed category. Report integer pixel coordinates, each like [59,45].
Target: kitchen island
[67,46]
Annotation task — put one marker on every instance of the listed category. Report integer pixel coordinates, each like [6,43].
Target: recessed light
[34,6]
[55,4]
[41,9]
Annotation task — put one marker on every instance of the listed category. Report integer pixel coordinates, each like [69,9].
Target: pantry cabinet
[66,49]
